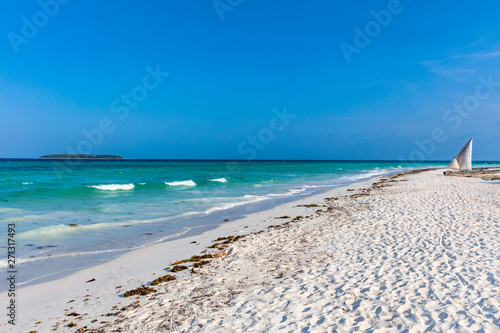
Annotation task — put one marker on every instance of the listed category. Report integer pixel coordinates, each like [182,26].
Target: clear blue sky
[226,77]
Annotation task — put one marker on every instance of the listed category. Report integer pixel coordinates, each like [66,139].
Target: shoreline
[93,293]
[233,214]
[116,269]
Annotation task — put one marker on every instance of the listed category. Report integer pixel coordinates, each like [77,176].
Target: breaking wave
[181,183]
[220,180]
[114,187]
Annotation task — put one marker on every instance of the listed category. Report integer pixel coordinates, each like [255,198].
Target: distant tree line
[81,156]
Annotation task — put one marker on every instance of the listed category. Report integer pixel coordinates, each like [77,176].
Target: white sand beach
[416,252]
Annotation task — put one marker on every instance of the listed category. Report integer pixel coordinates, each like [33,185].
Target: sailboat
[453,164]
[463,161]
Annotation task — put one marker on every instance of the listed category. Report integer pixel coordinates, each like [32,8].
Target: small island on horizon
[81,156]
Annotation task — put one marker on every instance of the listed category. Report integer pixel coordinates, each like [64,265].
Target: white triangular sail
[464,158]
[454,164]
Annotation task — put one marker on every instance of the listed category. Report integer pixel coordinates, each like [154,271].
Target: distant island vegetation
[82,156]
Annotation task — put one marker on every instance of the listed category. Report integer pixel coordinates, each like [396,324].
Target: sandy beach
[250,166]
[412,252]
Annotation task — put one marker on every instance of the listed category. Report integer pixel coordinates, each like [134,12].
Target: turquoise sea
[73,214]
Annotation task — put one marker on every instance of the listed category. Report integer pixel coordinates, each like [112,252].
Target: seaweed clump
[218,246]
[71,324]
[178,268]
[139,291]
[275,226]
[200,264]
[295,219]
[162,279]
[226,240]
[193,259]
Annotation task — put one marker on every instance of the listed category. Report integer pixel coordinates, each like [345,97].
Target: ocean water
[73,214]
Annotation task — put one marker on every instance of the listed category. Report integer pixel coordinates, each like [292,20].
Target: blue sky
[404,93]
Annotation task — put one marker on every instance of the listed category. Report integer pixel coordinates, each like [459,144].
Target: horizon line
[226,160]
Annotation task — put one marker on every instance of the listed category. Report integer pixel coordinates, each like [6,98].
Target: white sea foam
[27,183]
[59,230]
[22,218]
[10,210]
[230,205]
[142,183]
[220,180]
[114,187]
[321,186]
[248,199]
[4,262]
[181,183]
[365,175]
[47,231]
